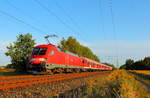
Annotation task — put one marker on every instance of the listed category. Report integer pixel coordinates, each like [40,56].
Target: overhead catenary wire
[114,30]
[21,21]
[102,18]
[66,14]
[23,12]
[28,15]
[55,15]
[78,28]
[112,18]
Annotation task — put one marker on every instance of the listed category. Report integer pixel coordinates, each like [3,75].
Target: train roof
[45,45]
[91,60]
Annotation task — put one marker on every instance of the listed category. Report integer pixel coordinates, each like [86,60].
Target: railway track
[30,80]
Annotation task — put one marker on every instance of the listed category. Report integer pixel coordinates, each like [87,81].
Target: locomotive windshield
[39,51]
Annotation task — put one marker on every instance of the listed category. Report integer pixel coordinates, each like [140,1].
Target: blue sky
[90,23]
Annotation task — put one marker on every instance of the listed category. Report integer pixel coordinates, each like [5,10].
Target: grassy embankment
[9,72]
[144,77]
[5,71]
[119,84]
[145,72]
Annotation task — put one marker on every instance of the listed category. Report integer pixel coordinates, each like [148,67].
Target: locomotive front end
[38,59]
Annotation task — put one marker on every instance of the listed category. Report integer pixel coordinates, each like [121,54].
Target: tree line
[72,45]
[143,64]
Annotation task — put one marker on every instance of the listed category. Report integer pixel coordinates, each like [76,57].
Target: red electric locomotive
[46,58]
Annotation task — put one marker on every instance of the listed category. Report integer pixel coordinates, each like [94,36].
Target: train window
[52,52]
[42,51]
[39,51]
[36,51]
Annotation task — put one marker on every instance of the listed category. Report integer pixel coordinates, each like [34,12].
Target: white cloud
[3,45]
[3,58]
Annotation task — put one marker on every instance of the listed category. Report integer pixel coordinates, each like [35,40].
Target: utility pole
[117,62]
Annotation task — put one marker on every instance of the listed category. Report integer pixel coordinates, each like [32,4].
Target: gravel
[49,90]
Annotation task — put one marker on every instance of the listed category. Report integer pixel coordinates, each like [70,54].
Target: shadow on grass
[21,73]
[13,73]
[142,78]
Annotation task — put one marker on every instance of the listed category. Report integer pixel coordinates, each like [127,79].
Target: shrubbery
[138,65]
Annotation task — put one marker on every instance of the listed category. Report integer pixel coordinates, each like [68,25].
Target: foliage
[10,66]
[138,65]
[129,62]
[20,50]
[72,45]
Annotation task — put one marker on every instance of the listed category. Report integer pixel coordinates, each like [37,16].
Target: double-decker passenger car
[49,57]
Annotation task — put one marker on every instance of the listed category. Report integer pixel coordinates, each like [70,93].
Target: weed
[118,84]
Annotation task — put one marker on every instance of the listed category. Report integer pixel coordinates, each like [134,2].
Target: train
[50,58]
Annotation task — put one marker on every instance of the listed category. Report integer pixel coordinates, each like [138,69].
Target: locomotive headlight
[32,59]
[42,59]
[38,59]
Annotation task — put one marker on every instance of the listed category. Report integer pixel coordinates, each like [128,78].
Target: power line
[52,13]
[22,12]
[102,18]
[69,17]
[21,21]
[66,14]
[114,30]
[112,18]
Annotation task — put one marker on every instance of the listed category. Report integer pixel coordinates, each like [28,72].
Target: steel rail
[30,82]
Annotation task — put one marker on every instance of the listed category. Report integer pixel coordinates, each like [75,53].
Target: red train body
[48,57]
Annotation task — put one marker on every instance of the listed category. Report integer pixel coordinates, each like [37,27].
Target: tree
[129,62]
[123,67]
[138,65]
[146,61]
[20,51]
[72,45]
